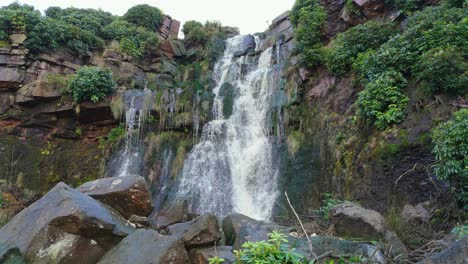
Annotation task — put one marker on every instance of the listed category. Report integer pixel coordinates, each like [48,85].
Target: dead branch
[311,248]
[409,171]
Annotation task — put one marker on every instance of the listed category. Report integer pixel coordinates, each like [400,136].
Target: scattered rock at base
[172,214]
[456,253]
[352,221]
[147,246]
[239,229]
[68,210]
[128,195]
[202,231]
[203,255]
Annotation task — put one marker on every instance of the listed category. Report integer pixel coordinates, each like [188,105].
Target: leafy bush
[133,40]
[91,20]
[451,153]
[147,16]
[442,71]
[347,45]
[189,25]
[52,34]
[17,18]
[382,102]
[197,36]
[91,83]
[434,28]
[308,18]
[272,251]
[327,203]
[407,6]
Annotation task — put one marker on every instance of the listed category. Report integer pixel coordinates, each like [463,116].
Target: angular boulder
[52,245]
[202,231]
[351,220]
[455,253]
[203,255]
[11,77]
[175,213]
[128,195]
[239,229]
[70,211]
[147,246]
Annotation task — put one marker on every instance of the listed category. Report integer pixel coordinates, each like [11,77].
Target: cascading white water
[128,159]
[232,169]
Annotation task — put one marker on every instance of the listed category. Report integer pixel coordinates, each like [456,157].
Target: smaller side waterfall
[128,159]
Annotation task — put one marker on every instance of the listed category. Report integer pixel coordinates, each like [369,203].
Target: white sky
[250,16]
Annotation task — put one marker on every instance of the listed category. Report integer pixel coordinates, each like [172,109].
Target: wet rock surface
[147,246]
[172,214]
[128,195]
[202,231]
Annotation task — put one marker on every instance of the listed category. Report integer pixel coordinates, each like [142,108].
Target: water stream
[232,168]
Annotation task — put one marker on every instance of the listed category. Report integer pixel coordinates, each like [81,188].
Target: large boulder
[455,253]
[69,211]
[202,231]
[176,212]
[203,255]
[336,247]
[11,77]
[128,195]
[239,229]
[52,245]
[353,221]
[147,246]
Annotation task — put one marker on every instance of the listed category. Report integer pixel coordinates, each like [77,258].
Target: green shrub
[443,71]
[308,18]
[17,18]
[358,39]
[197,36]
[347,45]
[381,102]
[407,6]
[147,16]
[52,34]
[189,25]
[91,20]
[451,153]
[91,83]
[408,54]
[327,204]
[133,40]
[272,251]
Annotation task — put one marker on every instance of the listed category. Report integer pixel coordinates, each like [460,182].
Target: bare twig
[311,248]
[409,171]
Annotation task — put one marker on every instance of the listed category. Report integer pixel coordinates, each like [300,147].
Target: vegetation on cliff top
[82,30]
[91,83]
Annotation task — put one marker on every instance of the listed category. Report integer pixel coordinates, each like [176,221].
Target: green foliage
[197,35]
[116,134]
[382,102]
[52,34]
[216,260]
[415,52]
[189,25]
[460,231]
[91,20]
[133,40]
[407,6]
[272,251]
[17,18]
[308,18]
[347,45]
[147,16]
[327,203]
[443,71]
[91,83]
[451,153]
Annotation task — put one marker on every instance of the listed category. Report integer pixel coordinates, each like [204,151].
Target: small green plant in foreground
[275,250]
[216,260]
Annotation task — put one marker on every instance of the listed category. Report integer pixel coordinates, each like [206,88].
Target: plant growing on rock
[451,153]
[275,250]
[189,25]
[347,45]
[147,16]
[91,83]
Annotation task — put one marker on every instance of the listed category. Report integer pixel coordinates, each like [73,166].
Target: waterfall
[128,159]
[232,168]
